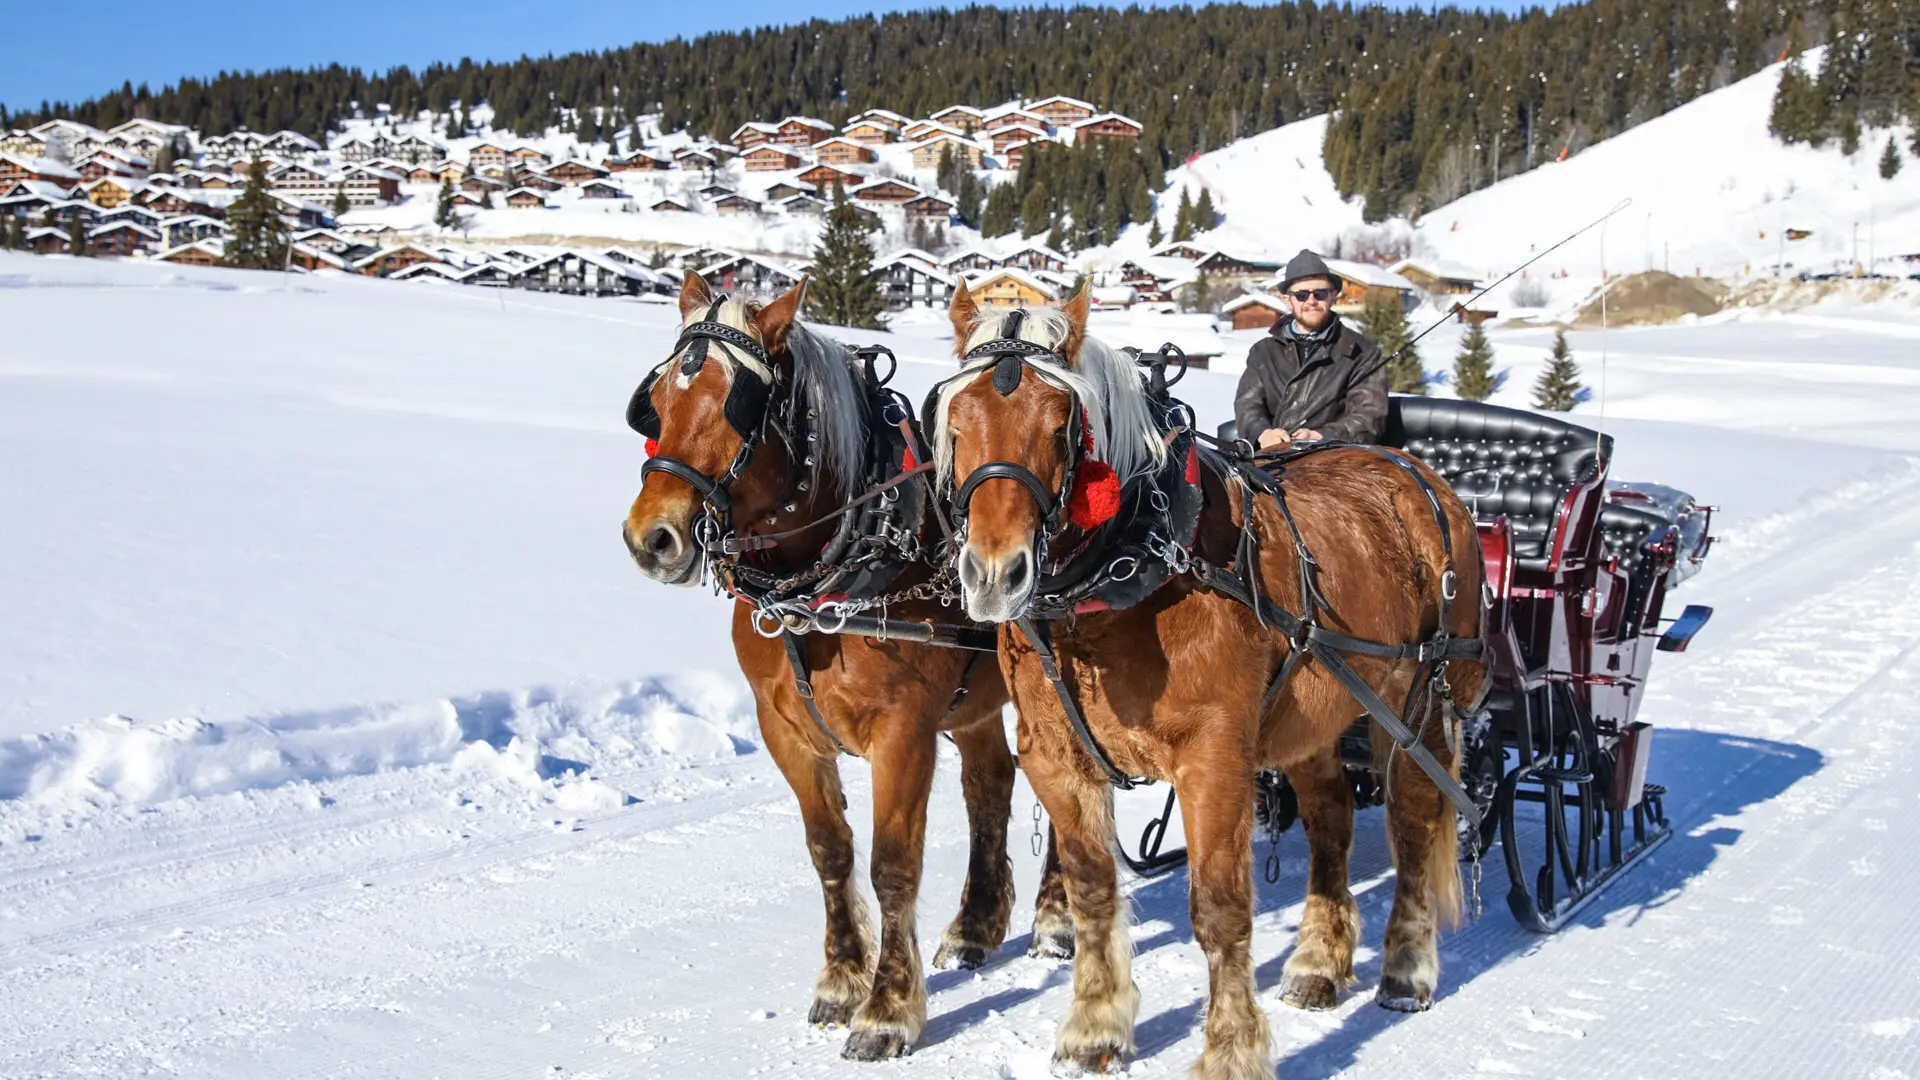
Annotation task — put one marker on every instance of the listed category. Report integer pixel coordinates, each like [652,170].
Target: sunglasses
[1304,295]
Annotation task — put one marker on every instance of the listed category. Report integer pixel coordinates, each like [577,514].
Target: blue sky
[95,46]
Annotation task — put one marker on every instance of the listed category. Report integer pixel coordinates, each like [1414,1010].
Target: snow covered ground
[339,738]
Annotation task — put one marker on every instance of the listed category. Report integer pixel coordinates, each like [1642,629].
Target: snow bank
[545,740]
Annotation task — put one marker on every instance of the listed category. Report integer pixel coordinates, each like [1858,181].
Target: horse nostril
[969,568]
[661,542]
[1017,574]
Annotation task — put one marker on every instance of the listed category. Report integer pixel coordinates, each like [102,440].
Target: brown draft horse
[1171,686]
[886,701]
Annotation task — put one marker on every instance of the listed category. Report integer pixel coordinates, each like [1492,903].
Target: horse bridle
[746,411]
[1012,354]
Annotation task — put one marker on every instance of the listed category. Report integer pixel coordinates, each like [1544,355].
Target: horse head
[1034,437]
[719,439]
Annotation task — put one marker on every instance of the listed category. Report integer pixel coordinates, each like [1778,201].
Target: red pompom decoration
[653,447]
[907,460]
[1096,495]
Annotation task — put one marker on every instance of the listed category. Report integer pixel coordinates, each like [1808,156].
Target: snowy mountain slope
[422,779]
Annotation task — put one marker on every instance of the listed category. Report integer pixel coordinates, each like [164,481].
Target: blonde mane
[1125,434]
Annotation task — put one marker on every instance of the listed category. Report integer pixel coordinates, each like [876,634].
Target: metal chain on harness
[1274,826]
[1039,839]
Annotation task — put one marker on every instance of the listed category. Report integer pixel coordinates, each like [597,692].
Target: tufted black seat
[1501,461]
[1629,532]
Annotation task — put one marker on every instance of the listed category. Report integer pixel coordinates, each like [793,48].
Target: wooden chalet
[803,205]
[197,253]
[462,198]
[579,273]
[787,189]
[420,174]
[688,157]
[753,133]
[714,191]
[1062,111]
[428,271]
[527,155]
[1438,278]
[673,205]
[494,275]
[823,176]
[1011,118]
[639,161]
[886,191]
[1031,256]
[325,240]
[388,261]
[731,205]
[840,150]
[1362,283]
[487,154]
[1015,156]
[870,132]
[802,131]
[602,189]
[47,240]
[930,208]
[479,185]
[188,228]
[450,170]
[109,191]
[369,187]
[1254,310]
[14,167]
[969,259]
[1009,134]
[962,118]
[748,272]
[523,198]
[1228,268]
[1008,287]
[1108,126]
[122,238]
[310,258]
[99,165]
[574,172]
[769,158]
[922,130]
[527,178]
[172,202]
[926,154]
[909,282]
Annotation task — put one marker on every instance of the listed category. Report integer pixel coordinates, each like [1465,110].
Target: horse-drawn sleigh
[1455,627]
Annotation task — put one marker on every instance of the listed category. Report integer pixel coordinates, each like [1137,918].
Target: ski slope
[339,738]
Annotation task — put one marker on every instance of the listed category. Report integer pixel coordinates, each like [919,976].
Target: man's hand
[1274,439]
[1306,435]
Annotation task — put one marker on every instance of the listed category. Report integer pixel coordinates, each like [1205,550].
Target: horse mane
[1125,433]
[828,383]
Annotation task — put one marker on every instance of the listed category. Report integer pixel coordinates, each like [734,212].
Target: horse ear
[963,311]
[1076,312]
[776,319]
[695,294]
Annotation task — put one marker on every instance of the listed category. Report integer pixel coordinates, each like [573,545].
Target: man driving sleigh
[1314,376]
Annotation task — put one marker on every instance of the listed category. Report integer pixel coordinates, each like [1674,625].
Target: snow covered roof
[368,260]
[41,165]
[1063,100]
[1098,118]
[601,261]
[1033,246]
[883,181]
[729,257]
[212,247]
[976,279]
[1438,268]
[806,121]
[884,115]
[968,109]
[428,269]
[1249,299]
[116,225]
[1369,274]
[43,189]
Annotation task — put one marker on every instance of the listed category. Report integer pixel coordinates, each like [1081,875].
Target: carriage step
[1564,776]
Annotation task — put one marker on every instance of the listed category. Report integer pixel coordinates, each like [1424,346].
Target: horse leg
[847,977]
[890,1020]
[1052,918]
[1098,1033]
[1420,830]
[1216,804]
[986,903]
[1322,960]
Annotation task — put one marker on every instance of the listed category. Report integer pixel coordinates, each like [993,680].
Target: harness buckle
[1449,585]
[1133,567]
[765,629]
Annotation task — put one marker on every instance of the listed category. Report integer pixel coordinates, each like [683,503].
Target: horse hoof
[831,1013]
[874,1045]
[1089,1059]
[1401,996]
[1057,945]
[965,957]
[1314,993]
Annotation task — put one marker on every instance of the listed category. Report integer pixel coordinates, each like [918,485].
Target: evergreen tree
[1001,213]
[1154,235]
[12,234]
[1034,218]
[1890,160]
[939,238]
[1204,217]
[443,210]
[1057,236]
[1384,322]
[1850,136]
[340,204]
[841,289]
[453,125]
[967,199]
[1202,294]
[77,236]
[1558,388]
[1183,218]
[486,198]
[1473,377]
[258,239]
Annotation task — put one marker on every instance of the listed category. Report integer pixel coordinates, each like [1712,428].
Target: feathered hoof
[1314,993]
[827,1013]
[1089,1060]
[1402,996]
[876,1044]
[960,955]
[1051,945]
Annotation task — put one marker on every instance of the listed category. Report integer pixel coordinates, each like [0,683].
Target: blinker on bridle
[745,409]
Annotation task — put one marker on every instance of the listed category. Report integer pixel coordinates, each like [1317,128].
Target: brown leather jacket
[1339,391]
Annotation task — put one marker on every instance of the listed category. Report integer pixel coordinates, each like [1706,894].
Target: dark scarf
[1310,345]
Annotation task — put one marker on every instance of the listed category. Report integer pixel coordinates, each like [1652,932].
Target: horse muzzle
[996,588]
[663,551]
